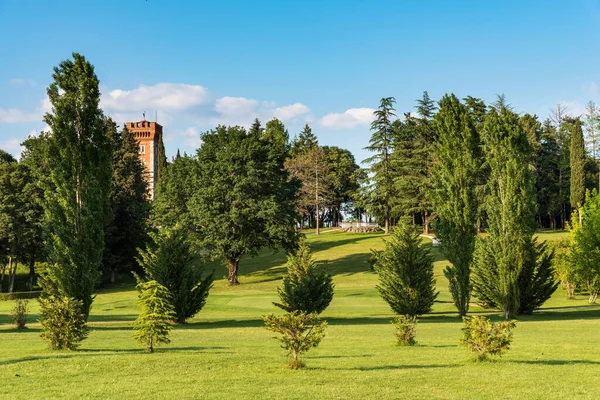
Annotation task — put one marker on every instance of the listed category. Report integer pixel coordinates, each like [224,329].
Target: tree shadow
[395,367]
[556,362]
[82,353]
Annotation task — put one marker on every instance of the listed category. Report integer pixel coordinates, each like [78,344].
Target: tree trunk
[11,274]
[233,265]
[113,276]
[387,220]
[426,223]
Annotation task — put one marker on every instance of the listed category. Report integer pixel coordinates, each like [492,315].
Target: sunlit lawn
[224,352]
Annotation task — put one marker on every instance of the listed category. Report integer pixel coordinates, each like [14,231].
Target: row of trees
[562,155]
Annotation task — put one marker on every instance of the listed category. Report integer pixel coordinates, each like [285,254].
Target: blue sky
[326,63]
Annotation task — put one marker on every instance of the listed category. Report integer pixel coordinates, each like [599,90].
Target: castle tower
[148,135]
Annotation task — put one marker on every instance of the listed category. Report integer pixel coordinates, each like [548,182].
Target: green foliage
[172,262]
[162,160]
[127,228]
[585,245]
[455,180]
[565,269]
[154,322]
[19,313]
[511,271]
[405,270]
[577,163]
[244,200]
[344,175]
[62,318]
[305,141]
[485,337]
[76,196]
[381,143]
[173,192]
[299,333]
[305,287]
[405,329]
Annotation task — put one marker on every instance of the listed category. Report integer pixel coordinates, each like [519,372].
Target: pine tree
[455,181]
[79,165]
[405,270]
[172,262]
[380,164]
[305,287]
[127,228]
[305,141]
[154,323]
[577,163]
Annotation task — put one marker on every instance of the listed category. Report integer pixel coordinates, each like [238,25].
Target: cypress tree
[405,270]
[79,164]
[162,160]
[577,163]
[512,272]
[455,180]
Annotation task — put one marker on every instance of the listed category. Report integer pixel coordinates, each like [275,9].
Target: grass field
[225,352]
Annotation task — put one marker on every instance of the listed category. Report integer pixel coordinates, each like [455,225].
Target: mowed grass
[225,352]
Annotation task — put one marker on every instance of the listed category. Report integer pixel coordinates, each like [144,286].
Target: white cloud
[350,118]
[291,112]
[573,108]
[12,146]
[190,137]
[27,82]
[162,96]
[14,116]
[242,111]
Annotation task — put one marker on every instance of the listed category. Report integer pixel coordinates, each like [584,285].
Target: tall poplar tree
[577,163]
[455,180]
[380,164]
[79,163]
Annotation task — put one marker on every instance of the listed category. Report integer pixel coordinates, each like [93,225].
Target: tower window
[142,149]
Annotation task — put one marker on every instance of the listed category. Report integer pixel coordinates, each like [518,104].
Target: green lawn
[226,353]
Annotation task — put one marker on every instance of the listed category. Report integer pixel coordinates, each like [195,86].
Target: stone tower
[148,135]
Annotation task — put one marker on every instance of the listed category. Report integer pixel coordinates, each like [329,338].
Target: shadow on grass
[400,367]
[557,362]
[82,353]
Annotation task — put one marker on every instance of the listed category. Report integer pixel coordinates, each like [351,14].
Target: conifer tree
[405,269]
[306,287]
[305,141]
[79,165]
[162,160]
[380,164]
[577,163]
[172,262]
[154,322]
[511,271]
[127,228]
[173,192]
[455,180]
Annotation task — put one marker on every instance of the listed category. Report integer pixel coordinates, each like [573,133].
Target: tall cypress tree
[577,163]
[79,161]
[455,179]
[381,163]
[512,272]
[162,160]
